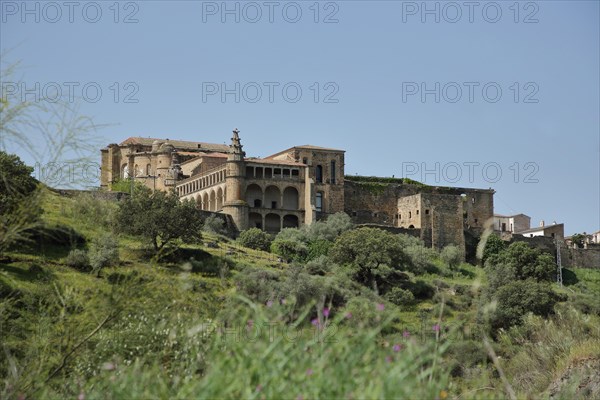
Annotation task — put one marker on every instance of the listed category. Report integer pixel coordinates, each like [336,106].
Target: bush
[104,252]
[493,246]
[452,256]
[214,224]
[400,297]
[78,259]
[255,238]
[518,298]
[290,250]
[525,262]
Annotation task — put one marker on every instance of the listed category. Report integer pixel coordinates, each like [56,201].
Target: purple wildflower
[269,303]
[436,328]
[349,315]
[388,359]
[380,307]
[309,372]
[397,347]
[406,334]
[326,312]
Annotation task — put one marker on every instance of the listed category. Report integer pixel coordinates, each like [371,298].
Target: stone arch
[255,220]
[291,198]
[254,195]
[198,201]
[125,171]
[148,170]
[205,201]
[212,201]
[272,197]
[272,223]
[291,221]
[219,199]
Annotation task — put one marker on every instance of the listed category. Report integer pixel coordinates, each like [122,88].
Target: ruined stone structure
[294,187]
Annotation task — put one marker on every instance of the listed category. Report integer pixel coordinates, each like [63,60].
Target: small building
[511,223]
[555,231]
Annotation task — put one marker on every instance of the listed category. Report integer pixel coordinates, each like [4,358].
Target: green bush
[518,298]
[214,224]
[290,250]
[452,256]
[255,238]
[400,297]
[78,259]
[493,246]
[104,252]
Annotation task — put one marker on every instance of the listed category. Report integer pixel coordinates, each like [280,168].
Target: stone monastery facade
[294,187]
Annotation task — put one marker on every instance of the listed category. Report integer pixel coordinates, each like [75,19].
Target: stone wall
[581,258]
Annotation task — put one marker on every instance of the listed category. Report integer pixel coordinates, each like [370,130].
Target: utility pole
[559,277]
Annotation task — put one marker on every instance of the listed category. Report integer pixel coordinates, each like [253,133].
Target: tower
[235,180]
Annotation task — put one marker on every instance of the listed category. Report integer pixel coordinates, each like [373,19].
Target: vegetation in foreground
[91,308]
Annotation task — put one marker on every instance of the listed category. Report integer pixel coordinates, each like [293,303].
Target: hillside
[217,319]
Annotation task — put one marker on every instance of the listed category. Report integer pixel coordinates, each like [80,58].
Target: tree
[525,262]
[255,238]
[20,206]
[520,297]
[493,245]
[373,254]
[159,217]
[452,256]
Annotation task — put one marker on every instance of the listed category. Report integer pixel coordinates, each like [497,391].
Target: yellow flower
[443,395]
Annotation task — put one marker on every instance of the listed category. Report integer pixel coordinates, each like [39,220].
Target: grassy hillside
[196,325]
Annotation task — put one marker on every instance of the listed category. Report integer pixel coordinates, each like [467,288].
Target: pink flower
[269,303]
[81,396]
[283,301]
[315,322]
[349,315]
[406,334]
[309,372]
[380,307]
[326,312]
[388,359]
[397,348]
[259,388]
[436,328]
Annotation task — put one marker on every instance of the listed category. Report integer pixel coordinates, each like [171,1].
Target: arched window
[319,174]
[333,172]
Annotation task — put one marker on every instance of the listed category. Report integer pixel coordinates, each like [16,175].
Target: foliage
[126,185]
[78,259]
[104,252]
[214,224]
[525,262]
[578,239]
[290,250]
[159,217]
[372,254]
[452,256]
[385,180]
[517,298]
[20,205]
[255,238]
[400,297]
[493,246]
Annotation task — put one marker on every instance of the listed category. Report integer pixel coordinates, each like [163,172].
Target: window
[410,214]
[319,174]
[417,212]
[305,161]
[426,211]
[273,204]
[319,202]
[148,170]
[257,203]
[333,172]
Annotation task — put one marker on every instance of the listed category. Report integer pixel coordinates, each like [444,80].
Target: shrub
[214,224]
[493,245]
[452,256]
[525,262]
[518,298]
[104,252]
[290,250]
[255,238]
[78,259]
[400,297]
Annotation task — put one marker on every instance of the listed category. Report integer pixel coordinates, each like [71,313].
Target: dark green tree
[373,255]
[159,217]
[493,245]
[524,262]
[255,238]
[20,200]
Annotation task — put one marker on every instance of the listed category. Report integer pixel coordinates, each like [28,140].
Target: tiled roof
[178,144]
[305,147]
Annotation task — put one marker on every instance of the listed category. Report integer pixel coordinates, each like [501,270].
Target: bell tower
[235,180]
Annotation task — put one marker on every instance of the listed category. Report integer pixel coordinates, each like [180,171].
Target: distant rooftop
[178,144]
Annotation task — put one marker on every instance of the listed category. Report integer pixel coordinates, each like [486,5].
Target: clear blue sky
[375,58]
